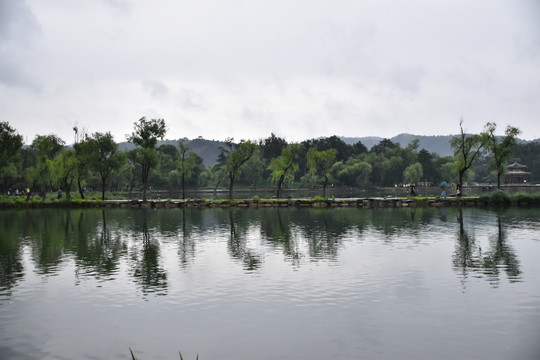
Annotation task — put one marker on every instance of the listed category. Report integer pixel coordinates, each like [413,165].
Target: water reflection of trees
[11,262]
[146,268]
[186,243]
[237,242]
[278,231]
[98,251]
[501,254]
[468,256]
[319,233]
[97,240]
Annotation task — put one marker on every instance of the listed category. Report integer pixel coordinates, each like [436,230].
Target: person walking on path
[443,187]
[413,193]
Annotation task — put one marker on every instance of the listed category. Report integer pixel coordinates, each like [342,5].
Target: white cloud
[244,69]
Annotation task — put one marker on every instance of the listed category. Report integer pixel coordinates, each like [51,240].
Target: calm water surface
[270,283]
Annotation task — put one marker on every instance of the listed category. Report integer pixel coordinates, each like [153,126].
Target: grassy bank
[498,198]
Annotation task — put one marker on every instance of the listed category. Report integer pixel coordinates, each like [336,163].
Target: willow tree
[46,148]
[284,167]
[145,137]
[466,148]
[187,160]
[413,173]
[321,163]
[501,149]
[232,157]
[106,157]
[65,168]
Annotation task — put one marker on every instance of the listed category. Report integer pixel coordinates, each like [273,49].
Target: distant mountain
[434,144]
[207,149]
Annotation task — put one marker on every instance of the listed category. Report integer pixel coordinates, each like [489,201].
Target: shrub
[497,197]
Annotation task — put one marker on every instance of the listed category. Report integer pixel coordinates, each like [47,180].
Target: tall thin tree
[501,149]
[466,148]
[145,137]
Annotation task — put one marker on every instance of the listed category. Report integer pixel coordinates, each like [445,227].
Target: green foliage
[354,171]
[500,149]
[284,167]
[45,148]
[497,197]
[272,147]
[320,198]
[522,197]
[10,145]
[232,158]
[145,137]
[254,169]
[321,163]
[147,132]
[413,173]
[47,165]
[466,149]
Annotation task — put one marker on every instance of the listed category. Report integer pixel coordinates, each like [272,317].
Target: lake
[270,283]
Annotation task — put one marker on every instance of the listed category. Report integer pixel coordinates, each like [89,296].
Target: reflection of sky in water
[328,284]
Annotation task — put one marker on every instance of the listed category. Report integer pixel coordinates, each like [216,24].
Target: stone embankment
[304,203]
[368,203]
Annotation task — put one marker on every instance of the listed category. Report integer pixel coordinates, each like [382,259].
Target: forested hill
[434,144]
[209,149]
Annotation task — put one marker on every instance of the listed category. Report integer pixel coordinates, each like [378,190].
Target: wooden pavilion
[516,174]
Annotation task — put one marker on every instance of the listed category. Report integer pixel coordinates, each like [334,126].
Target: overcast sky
[244,69]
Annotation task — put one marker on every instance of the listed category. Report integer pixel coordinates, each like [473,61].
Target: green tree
[380,166]
[284,166]
[10,145]
[106,157]
[65,168]
[466,149]
[145,137]
[381,147]
[321,163]
[354,171]
[501,149]
[426,159]
[272,147]
[187,160]
[413,173]
[46,148]
[130,171]
[84,153]
[232,157]
[254,169]
[334,142]
[358,148]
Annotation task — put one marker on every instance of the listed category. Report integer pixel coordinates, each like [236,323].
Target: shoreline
[367,203]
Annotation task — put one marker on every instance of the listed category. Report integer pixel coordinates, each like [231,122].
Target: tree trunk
[280,182]
[145,171]
[460,182]
[81,192]
[67,189]
[324,186]
[183,187]
[43,193]
[231,182]
[103,181]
